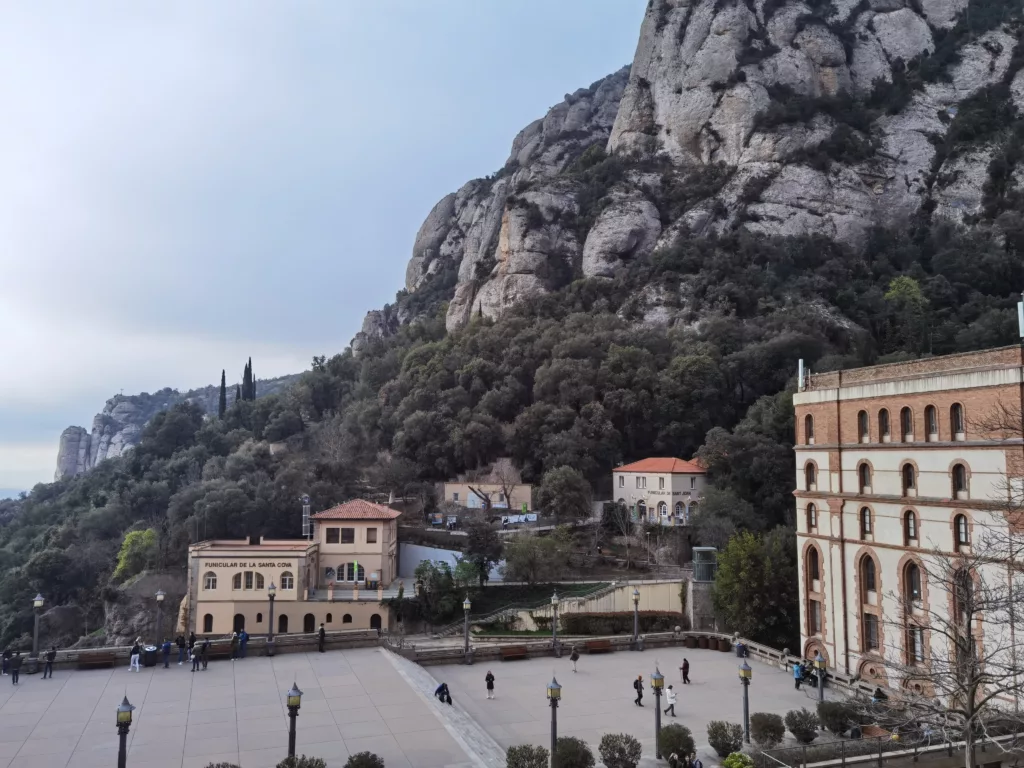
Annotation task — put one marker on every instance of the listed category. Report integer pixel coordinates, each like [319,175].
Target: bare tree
[619,520]
[505,474]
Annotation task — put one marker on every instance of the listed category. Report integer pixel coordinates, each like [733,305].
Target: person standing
[243,641]
[670,697]
[180,642]
[134,662]
[166,648]
[638,686]
[192,645]
[321,636]
[574,657]
[48,667]
[195,659]
[15,667]
[204,653]
[490,684]
[798,673]
[685,670]
[234,646]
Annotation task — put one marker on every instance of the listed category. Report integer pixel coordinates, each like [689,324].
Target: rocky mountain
[776,117]
[119,425]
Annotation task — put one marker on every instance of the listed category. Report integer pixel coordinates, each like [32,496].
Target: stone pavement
[599,698]
[235,712]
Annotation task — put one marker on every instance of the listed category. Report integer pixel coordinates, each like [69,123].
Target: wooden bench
[222,651]
[511,652]
[599,646]
[94,659]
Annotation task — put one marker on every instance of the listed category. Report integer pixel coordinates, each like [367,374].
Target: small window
[959,481]
[915,645]
[501,498]
[348,535]
[210,580]
[813,564]
[931,422]
[455,496]
[883,424]
[909,528]
[208,623]
[236,581]
[248,579]
[287,580]
[812,516]
[661,483]
[906,425]
[622,481]
[814,617]
[371,535]
[259,618]
[913,583]
[679,509]
[962,532]
[693,483]
[346,619]
[869,575]
[330,618]
[909,478]
[865,522]
[810,478]
[809,429]
[333,535]
[870,632]
[956,421]
[259,581]
[864,478]
[662,509]
[862,427]
[641,482]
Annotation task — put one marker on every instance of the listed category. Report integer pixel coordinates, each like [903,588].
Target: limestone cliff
[780,117]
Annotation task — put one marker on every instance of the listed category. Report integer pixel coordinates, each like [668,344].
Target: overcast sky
[187,184]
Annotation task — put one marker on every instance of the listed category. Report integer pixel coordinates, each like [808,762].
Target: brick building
[894,463]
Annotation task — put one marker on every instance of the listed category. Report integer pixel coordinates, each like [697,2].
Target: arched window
[346,619]
[282,624]
[662,509]
[865,522]
[959,481]
[962,533]
[868,575]
[287,580]
[679,509]
[956,421]
[210,580]
[259,581]
[813,565]
[862,427]
[236,581]
[906,425]
[330,618]
[375,621]
[909,479]
[883,425]
[810,477]
[259,618]
[931,422]
[329,574]
[812,516]
[864,478]
[208,623]
[809,429]
[913,583]
[354,572]
[909,528]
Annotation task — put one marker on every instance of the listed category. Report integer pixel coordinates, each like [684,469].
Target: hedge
[619,623]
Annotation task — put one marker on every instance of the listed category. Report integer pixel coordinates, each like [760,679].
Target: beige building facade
[660,490]
[337,577]
[465,494]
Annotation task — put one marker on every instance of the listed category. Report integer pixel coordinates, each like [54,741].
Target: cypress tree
[247,381]
[238,393]
[222,406]
[253,376]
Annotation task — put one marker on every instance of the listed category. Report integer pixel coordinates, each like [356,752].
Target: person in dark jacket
[133,663]
[489,679]
[321,637]
[685,669]
[638,686]
[15,667]
[194,653]
[441,692]
[48,667]
[574,657]
[180,642]
[204,653]
[192,645]
[166,648]
[243,642]
[234,646]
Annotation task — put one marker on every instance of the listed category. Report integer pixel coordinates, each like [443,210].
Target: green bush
[364,760]
[526,756]
[803,724]
[573,753]
[619,750]
[725,738]
[767,729]
[738,760]
[835,716]
[677,739]
[618,623]
[303,762]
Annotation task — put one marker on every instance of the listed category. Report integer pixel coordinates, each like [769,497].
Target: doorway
[239,623]
[308,623]
[282,624]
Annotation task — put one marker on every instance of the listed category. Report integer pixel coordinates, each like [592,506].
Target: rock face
[746,86]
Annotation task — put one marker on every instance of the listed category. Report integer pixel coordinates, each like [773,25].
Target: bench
[222,651]
[511,652]
[94,659]
[599,646]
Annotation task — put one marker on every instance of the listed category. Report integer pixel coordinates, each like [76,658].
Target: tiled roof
[675,466]
[357,509]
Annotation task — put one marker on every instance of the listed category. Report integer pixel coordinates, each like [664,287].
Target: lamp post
[294,702]
[160,595]
[466,605]
[554,694]
[746,673]
[554,623]
[271,593]
[33,662]
[636,618]
[124,722]
[819,662]
[657,683]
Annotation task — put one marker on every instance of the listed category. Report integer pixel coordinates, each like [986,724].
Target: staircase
[481,748]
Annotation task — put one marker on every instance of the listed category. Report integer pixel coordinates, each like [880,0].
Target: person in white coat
[670,697]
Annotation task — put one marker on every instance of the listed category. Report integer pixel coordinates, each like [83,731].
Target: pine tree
[222,406]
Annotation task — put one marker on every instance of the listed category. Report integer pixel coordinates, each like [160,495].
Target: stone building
[664,490]
[899,468]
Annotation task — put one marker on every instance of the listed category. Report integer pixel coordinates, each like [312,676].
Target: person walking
[695,761]
[798,673]
[191,645]
[574,657]
[134,662]
[321,637]
[48,667]
[234,646]
[670,697]
[489,679]
[166,648]
[685,671]
[638,686]
[180,642]
[195,659]
[243,642]
[204,653]
[15,667]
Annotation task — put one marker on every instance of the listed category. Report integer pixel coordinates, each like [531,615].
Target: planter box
[691,641]
[724,644]
[702,641]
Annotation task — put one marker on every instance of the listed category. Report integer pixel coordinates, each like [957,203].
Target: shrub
[738,760]
[619,750]
[618,623]
[304,762]
[677,739]
[573,753]
[364,760]
[526,756]
[835,716]
[803,724]
[767,729]
[725,738]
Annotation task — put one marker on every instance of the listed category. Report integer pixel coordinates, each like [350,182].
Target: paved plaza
[234,712]
[599,698]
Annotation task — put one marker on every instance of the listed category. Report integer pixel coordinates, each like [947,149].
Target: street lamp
[294,702]
[657,683]
[124,722]
[819,662]
[554,694]
[554,623]
[37,606]
[160,595]
[746,673]
[466,605]
[636,618]
[271,593]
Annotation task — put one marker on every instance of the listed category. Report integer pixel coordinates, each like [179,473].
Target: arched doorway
[239,623]
[282,624]
[208,623]
[375,621]
[308,623]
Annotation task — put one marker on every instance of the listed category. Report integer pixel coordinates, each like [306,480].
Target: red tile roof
[357,509]
[675,466]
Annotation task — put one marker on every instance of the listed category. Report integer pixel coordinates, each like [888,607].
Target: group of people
[10,664]
[187,651]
